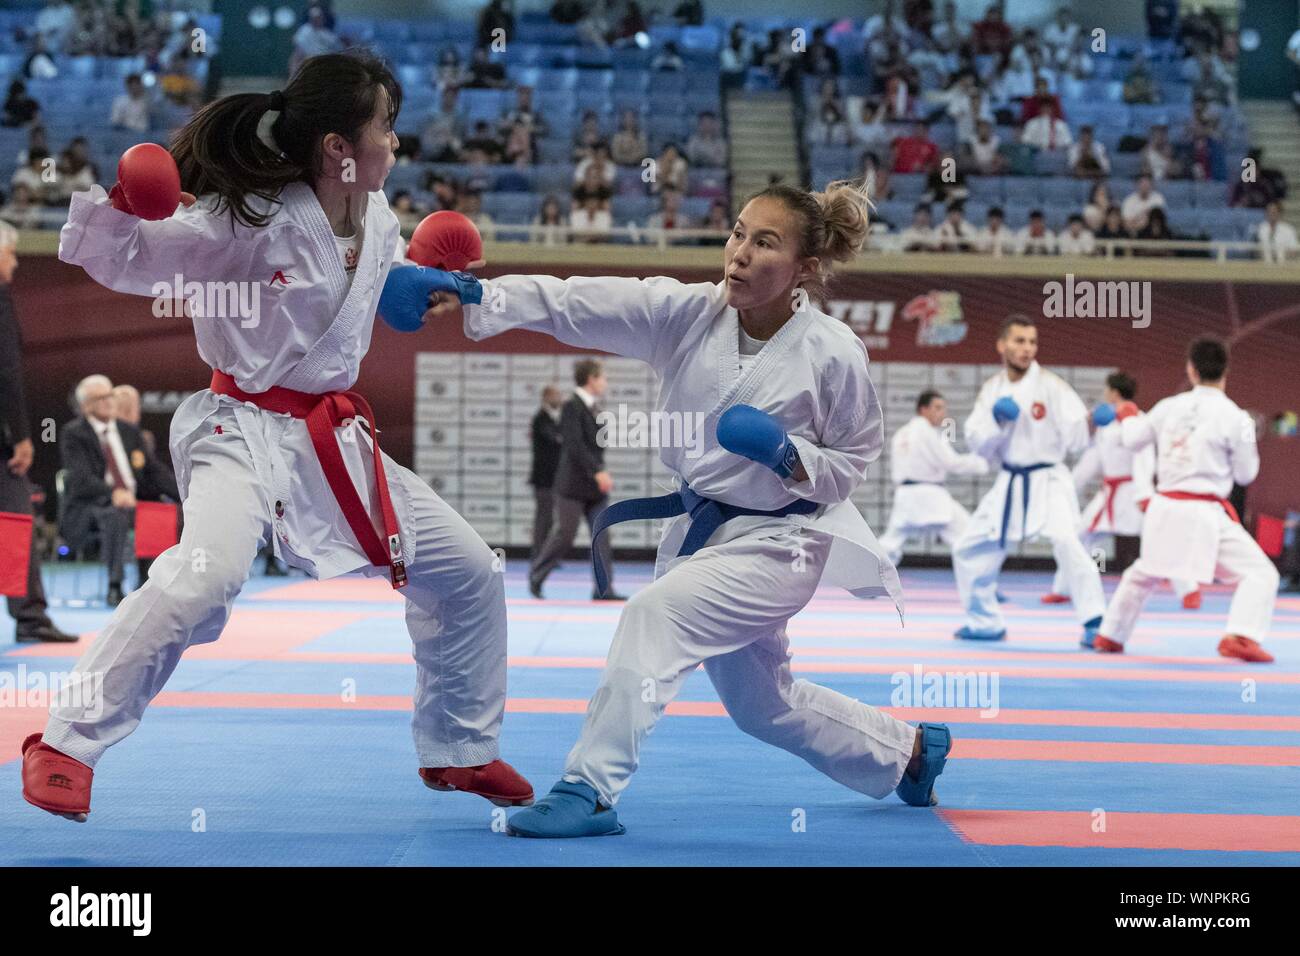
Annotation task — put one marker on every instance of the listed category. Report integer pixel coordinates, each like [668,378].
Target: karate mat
[287,742]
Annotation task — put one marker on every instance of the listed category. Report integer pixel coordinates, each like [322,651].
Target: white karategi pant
[727,606]
[455,612]
[899,529]
[1238,560]
[978,557]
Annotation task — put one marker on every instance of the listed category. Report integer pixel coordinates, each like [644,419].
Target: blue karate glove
[406,293]
[1005,410]
[756,435]
[1103,414]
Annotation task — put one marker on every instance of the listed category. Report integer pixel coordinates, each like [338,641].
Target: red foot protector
[496,781]
[1054,598]
[1234,645]
[1192,601]
[54,781]
[1104,645]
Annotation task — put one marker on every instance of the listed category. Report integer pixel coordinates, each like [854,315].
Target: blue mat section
[315,787]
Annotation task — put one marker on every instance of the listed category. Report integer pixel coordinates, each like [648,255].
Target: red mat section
[1148,831]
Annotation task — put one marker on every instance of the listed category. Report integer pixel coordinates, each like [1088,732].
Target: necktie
[118,480]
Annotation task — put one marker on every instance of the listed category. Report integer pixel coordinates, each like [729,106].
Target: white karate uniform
[727,605]
[248,475]
[1114,510]
[1052,424]
[1204,443]
[920,455]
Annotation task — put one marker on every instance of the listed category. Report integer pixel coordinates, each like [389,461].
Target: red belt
[322,413]
[1189,496]
[1112,486]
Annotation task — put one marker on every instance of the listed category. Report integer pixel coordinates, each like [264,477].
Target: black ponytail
[218,150]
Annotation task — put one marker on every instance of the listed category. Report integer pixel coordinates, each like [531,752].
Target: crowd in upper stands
[972,136]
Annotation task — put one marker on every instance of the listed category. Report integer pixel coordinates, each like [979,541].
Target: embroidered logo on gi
[216,430]
[280,277]
[1038,410]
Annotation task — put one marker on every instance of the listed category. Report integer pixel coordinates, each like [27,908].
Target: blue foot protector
[1090,629]
[936,742]
[569,810]
[966,634]
[1002,598]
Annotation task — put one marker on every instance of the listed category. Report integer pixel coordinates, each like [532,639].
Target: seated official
[107,469]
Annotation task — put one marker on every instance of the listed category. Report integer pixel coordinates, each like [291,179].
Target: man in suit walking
[582,485]
[17,451]
[106,471]
[546,458]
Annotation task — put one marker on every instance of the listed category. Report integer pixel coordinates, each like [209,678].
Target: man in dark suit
[582,485]
[106,471]
[16,452]
[546,458]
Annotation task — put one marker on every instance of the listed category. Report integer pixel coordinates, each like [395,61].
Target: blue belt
[912,481]
[706,514]
[1021,472]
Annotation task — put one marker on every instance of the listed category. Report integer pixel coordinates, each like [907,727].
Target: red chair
[155,528]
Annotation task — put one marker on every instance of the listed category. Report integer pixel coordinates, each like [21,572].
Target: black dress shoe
[535,588]
[609,596]
[50,635]
[114,595]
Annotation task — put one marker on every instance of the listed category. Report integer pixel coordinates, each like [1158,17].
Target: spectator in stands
[76,172]
[443,134]
[19,108]
[37,176]
[1139,203]
[1204,122]
[1155,229]
[1277,239]
[39,64]
[591,217]
[55,24]
[1042,100]
[689,13]
[955,234]
[871,127]
[969,107]
[820,59]
[483,73]
[949,34]
[1087,157]
[717,220]
[471,207]
[920,235]
[21,211]
[133,109]
[1059,35]
[450,73]
[1204,160]
[875,178]
[179,84]
[404,208]
[992,35]
[519,150]
[36,140]
[1209,77]
[671,170]
[668,60]
[984,150]
[915,153]
[735,58]
[1139,85]
[1077,239]
[594,25]
[629,146]
[1047,132]
[777,59]
[946,181]
[483,142]
[552,223]
[1099,203]
[587,135]
[498,15]
[313,38]
[1260,189]
[669,214]
[525,112]
[1158,155]
[1028,54]
[829,127]
[1076,63]
[597,163]
[995,238]
[707,146]
[1113,228]
[1036,239]
[629,26]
